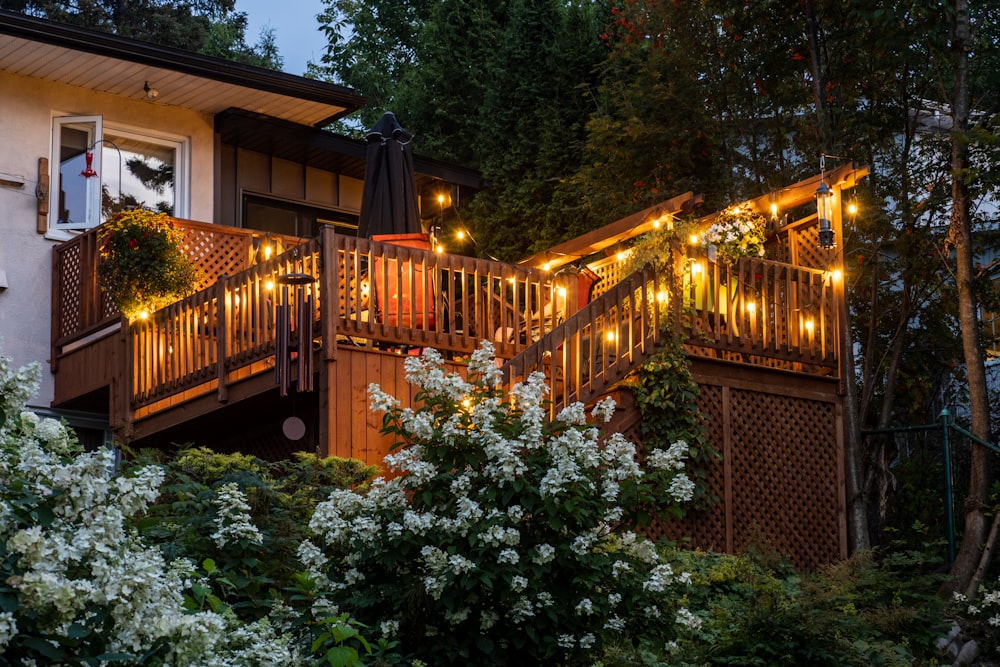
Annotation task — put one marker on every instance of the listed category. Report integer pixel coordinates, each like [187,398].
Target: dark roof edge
[357,148]
[209,67]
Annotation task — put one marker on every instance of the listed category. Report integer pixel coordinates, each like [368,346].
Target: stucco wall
[27,107]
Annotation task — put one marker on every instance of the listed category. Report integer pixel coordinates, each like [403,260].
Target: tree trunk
[961,235]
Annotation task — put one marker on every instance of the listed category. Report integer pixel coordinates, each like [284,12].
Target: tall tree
[976,524]
[210,27]
[498,86]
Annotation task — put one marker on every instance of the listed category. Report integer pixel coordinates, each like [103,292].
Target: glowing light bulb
[620,256]
[144,315]
[696,268]
[610,336]
[561,292]
[810,325]
[751,307]
[441,199]
[460,235]
[439,249]
[694,239]
[774,210]
[269,285]
[852,208]
[837,274]
[662,296]
[267,252]
[546,266]
[656,223]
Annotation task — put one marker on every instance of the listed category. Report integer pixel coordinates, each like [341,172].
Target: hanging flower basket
[737,232]
[142,266]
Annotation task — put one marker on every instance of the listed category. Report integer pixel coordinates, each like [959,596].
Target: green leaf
[342,633]
[209,565]
[341,656]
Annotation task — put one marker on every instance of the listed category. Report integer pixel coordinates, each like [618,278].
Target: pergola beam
[615,232]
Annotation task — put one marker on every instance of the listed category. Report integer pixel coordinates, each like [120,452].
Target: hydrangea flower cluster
[76,580]
[501,534]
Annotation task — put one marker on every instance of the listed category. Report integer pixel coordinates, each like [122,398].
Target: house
[275,351]
[220,142]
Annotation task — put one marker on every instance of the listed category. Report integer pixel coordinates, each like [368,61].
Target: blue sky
[296,28]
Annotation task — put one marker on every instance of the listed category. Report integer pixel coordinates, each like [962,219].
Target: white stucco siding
[27,107]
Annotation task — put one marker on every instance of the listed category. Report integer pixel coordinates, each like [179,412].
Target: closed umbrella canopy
[389,199]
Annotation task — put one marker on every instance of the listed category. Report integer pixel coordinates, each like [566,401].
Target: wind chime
[294,323]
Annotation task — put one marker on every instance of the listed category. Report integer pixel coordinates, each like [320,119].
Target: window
[122,169]
[293,218]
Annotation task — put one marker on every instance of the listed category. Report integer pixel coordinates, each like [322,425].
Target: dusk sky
[296,29]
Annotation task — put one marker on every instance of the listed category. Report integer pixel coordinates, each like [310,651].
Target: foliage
[667,397]
[980,616]
[872,609]
[513,102]
[77,583]
[502,539]
[250,558]
[143,266]
[210,27]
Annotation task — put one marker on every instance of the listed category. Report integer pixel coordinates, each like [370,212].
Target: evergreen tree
[210,27]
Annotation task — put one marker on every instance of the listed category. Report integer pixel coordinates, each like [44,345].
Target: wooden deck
[350,299]
[376,298]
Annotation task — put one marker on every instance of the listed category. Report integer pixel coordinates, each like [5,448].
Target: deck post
[329,291]
[221,336]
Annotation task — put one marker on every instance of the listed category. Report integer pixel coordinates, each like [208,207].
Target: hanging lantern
[824,209]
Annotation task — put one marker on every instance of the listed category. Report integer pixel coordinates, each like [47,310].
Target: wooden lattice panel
[70,280]
[610,272]
[776,483]
[216,253]
[784,476]
[705,527]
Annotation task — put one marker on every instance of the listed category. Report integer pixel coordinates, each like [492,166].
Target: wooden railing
[79,306]
[598,346]
[386,296]
[759,312]
[762,312]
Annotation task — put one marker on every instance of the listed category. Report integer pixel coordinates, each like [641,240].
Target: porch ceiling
[106,63]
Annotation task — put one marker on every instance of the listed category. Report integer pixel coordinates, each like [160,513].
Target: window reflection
[137,173]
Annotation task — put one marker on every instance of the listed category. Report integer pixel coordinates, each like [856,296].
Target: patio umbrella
[389,198]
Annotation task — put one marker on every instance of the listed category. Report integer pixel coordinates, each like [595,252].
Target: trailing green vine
[667,398]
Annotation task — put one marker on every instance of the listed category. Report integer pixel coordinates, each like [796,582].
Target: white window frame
[182,170]
[93,213]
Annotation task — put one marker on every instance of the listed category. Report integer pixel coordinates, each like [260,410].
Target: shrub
[501,541]
[79,586]
[241,519]
[863,611]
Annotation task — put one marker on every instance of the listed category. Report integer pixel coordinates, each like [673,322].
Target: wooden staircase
[596,347]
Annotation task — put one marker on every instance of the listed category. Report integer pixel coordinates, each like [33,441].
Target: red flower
[132,243]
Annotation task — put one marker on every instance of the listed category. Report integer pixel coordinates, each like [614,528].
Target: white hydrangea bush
[502,538]
[77,583]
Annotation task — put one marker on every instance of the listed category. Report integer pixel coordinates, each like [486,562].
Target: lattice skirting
[780,481]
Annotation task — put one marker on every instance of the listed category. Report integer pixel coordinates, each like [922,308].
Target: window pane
[137,173]
[73,188]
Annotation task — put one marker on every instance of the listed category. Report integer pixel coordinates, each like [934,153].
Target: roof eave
[209,67]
